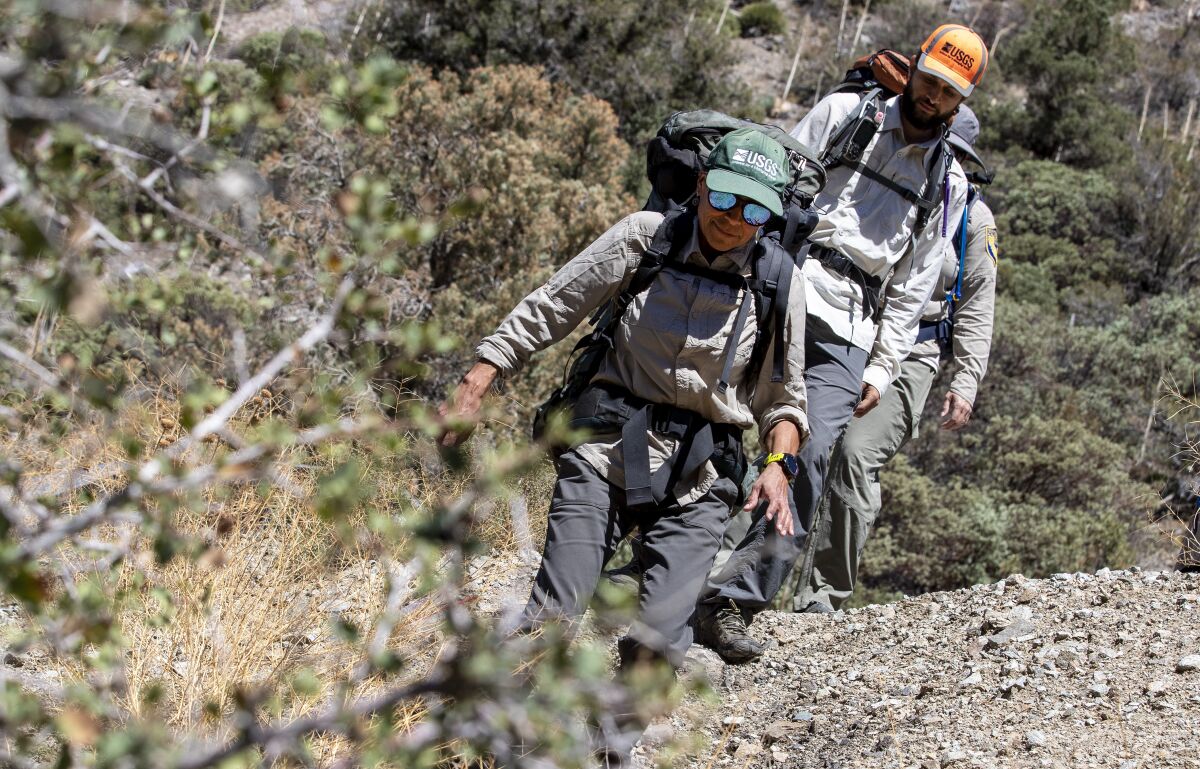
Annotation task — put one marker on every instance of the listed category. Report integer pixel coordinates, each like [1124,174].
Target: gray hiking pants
[588,519]
[852,500]
[756,569]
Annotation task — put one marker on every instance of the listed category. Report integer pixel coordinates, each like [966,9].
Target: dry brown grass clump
[278,595]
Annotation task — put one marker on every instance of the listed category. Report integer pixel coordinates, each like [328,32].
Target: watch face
[791,464]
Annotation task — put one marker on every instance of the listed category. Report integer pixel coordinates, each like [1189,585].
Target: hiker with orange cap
[956,328]
[887,214]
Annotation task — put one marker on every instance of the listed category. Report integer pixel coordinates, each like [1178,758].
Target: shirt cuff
[878,377]
[499,355]
[965,386]
[780,414]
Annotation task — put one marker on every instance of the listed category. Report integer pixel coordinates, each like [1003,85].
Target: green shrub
[165,324]
[646,59]
[763,18]
[932,537]
[290,62]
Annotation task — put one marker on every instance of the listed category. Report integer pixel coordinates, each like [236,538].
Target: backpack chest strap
[604,407]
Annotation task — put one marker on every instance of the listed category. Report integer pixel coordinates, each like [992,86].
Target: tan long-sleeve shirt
[975,312]
[670,346]
[873,226]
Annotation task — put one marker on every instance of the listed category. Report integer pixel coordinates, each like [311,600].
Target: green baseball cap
[750,164]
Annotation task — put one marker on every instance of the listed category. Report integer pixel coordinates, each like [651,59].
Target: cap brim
[726,181]
[932,66]
[960,143]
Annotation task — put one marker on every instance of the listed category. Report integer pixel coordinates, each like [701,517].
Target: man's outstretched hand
[956,411]
[460,412]
[771,486]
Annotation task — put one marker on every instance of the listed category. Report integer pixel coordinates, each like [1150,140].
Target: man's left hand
[956,411]
[771,487]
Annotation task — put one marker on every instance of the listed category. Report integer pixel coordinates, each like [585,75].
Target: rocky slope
[1078,670]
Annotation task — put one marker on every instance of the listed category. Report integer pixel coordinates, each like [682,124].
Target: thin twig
[216,33]
[184,216]
[201,136]
[30,365]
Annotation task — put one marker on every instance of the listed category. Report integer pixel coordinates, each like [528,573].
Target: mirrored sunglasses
[754,214]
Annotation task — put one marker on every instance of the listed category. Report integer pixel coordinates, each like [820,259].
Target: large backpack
[674,160]
[878,77]
[676,156]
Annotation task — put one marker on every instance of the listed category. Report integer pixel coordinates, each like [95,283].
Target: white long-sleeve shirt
[873,226]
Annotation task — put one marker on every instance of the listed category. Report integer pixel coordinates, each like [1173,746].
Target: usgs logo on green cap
[756,160]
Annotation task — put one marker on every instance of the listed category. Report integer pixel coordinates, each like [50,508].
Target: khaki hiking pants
[851,506]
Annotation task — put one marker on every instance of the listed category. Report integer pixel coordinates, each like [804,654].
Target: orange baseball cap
[956,54]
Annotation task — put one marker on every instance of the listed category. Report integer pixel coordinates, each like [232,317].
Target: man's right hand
[868,400]
[464,403]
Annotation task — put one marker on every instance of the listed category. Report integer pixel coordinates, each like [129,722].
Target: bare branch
[100,119]
[265,375]
[277,739]
[32,366]
[184,216]
[12,176]
[216,33]
[201,136]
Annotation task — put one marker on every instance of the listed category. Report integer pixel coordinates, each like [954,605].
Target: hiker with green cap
[668,404]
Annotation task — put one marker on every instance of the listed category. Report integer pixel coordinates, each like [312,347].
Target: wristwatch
[791,465]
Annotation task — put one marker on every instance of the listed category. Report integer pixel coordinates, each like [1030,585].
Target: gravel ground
[1078,670]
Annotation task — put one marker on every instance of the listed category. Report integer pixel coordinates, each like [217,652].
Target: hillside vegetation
[246,247]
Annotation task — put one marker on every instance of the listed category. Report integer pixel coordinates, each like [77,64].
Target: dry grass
[1183,407]
[260,607]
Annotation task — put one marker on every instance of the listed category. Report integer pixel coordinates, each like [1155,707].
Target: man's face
[723,230]
[928,101]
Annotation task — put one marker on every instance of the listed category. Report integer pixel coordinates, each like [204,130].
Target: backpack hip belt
[607,407]
[871,285]
[941,330]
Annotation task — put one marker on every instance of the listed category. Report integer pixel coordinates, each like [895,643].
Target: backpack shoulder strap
[771,284]
[960,245]
[670,236]
[937,179]
[830,156]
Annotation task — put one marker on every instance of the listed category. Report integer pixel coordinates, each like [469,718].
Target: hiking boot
[627,576]
[816,607]
[722,629]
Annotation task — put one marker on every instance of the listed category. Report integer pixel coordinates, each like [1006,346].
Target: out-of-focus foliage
[647,59]
[763,18]
[211,513]
[174,216]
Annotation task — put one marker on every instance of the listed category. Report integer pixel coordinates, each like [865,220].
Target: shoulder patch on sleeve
[993,251]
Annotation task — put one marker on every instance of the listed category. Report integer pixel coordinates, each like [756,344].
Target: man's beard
[908,107]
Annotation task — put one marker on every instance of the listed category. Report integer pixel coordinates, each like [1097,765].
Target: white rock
[975,679]
[1035,739]
[1188,664]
